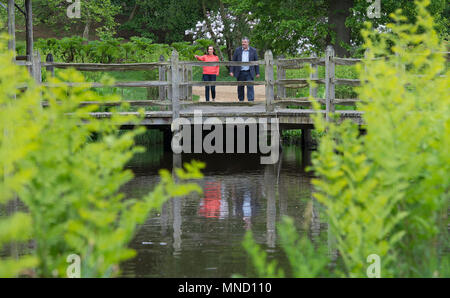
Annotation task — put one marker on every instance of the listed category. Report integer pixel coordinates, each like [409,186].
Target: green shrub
[68,182]
[383,192]
[17,129]
[386,192]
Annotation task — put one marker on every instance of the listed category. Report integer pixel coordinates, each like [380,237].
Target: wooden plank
[142,84]
[36,67]
[301,99]
[224,83]
[300,81]
[346,102]
[346,61]
[169,81]
[329,81]
[138,103]
[23,63]
[293,102]
[270,81]
[281,75]
[190,78]
[107,67]
[222,63]
[299,61]
[349,82]
[161,77]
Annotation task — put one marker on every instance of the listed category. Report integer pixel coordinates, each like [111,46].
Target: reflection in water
[201,235]
[212,204]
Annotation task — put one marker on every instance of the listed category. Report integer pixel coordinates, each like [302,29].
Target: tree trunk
[226,32]
[133,12]
[338,11]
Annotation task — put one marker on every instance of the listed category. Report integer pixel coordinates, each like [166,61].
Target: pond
[201,235]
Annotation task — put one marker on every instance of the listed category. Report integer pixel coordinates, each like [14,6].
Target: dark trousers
[245,76]
[209,78]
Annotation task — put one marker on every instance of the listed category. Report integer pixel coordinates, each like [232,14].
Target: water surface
[201,235]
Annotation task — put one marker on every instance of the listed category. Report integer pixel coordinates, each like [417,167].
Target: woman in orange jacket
[210,73]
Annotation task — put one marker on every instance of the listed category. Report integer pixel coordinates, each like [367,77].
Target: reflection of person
[210,73]
[211,203]
[247,210]
[245,73]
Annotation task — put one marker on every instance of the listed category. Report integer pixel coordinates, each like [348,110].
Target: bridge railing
[175,80]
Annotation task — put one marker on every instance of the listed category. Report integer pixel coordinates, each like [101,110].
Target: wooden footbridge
[174,96]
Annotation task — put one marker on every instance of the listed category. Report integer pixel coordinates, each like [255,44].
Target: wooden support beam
[329,81]
[162,77]
[36,67]
[281,75]
[175,85]
[270,82]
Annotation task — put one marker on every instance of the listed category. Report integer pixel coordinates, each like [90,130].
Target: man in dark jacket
[245,73]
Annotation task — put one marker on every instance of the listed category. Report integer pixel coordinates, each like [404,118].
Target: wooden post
[189,79]
[175,86]
[11,27]
[162,78]
[36,67]
[313,75]
[29,27]
[169,79]
[50,69]
[183,79]
[268,58]
[281,75]
[329,81]
[186,79]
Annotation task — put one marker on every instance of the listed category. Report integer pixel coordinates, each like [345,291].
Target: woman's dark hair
[214,50]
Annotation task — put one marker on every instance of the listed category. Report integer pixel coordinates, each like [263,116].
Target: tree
[287,26]
[93,12]
[161,20]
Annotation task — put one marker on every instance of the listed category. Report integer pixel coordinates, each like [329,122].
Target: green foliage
[304,259]
[285,26]
[161,20]
[69,183]
[383,191]
[93,12]
[16,141]
[259,259]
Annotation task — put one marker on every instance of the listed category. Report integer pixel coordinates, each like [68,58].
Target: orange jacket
[210,69]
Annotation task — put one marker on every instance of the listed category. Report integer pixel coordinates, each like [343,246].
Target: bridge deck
[287,117]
